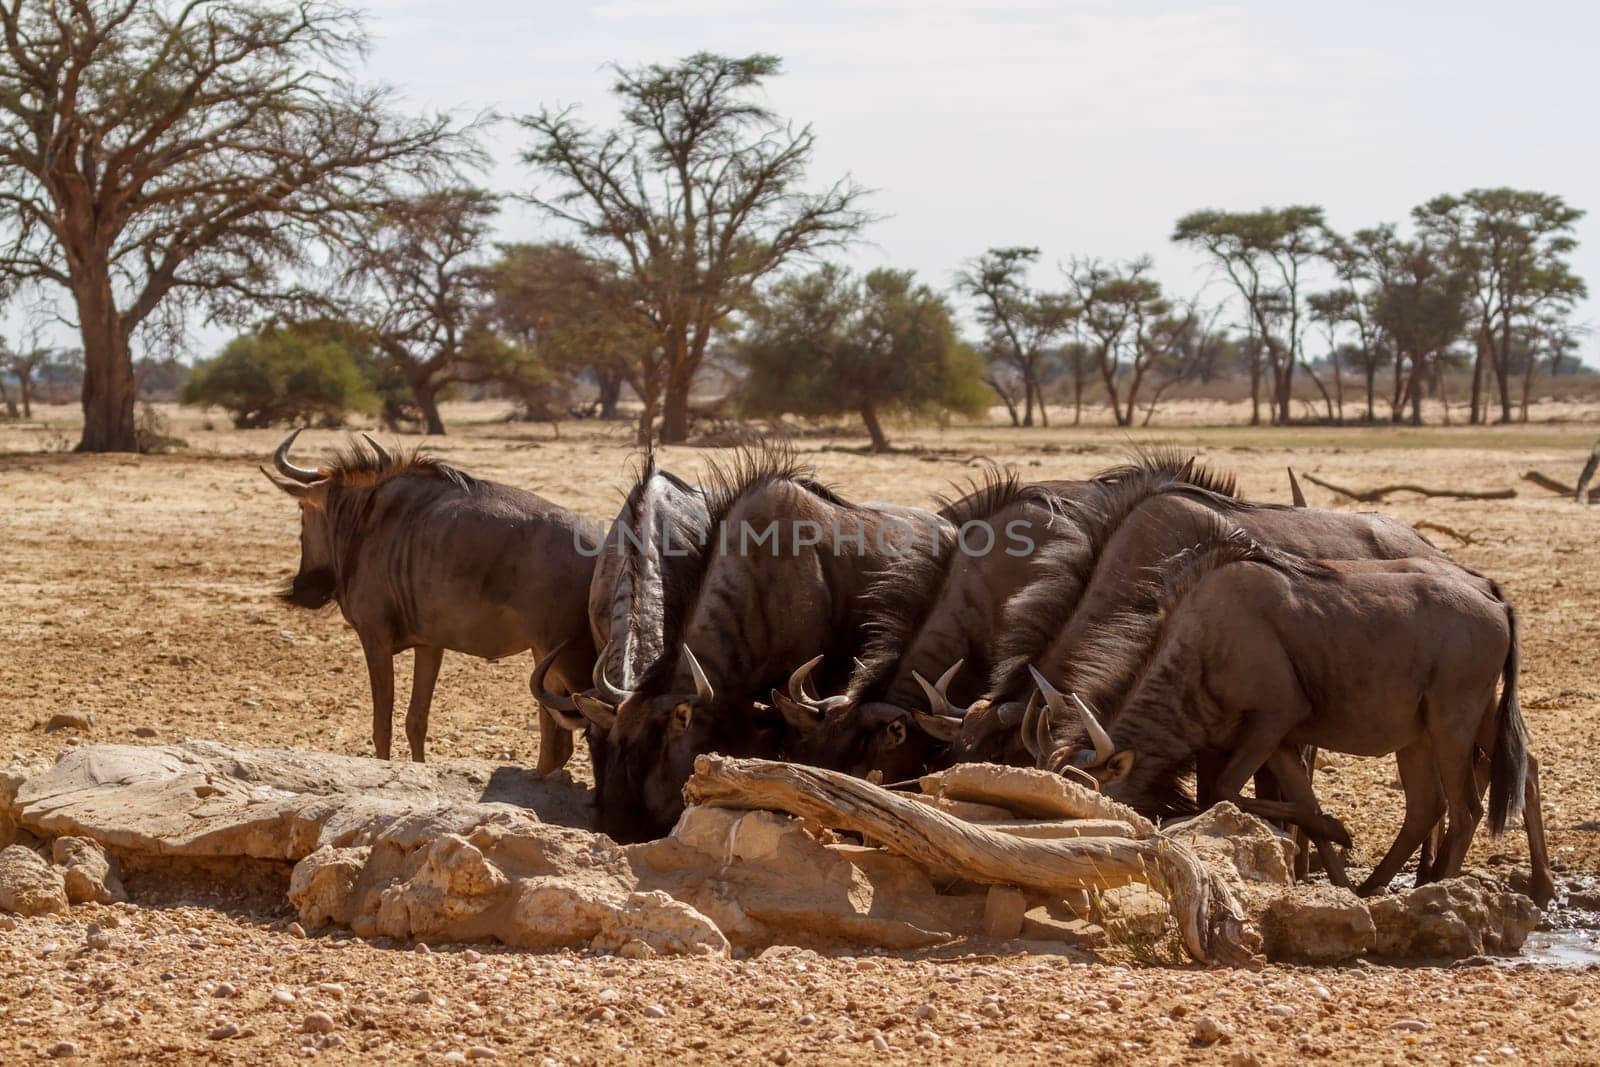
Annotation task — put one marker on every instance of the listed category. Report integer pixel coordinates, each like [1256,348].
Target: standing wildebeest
[420,555]
[1258,651]
[779,579]
[662,518]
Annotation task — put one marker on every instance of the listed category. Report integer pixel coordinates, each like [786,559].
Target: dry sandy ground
[139,589]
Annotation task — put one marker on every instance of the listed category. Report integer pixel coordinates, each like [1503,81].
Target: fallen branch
[1209,919]
[1440,527]
[1544,481]
[1374,496]
[1027,791]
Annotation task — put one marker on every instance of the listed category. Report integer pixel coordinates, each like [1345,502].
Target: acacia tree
[1133,332]
[1265,254]
[826,342]
[157,157]
[696,195]
[1512,246]
[1422,304]
[421,289]
[1020,324]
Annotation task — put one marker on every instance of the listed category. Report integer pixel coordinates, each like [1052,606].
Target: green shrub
[282,376]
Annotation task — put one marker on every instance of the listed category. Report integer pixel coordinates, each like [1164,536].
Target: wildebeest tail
[1508,770]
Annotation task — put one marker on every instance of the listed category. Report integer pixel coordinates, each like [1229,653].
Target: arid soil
[139,590]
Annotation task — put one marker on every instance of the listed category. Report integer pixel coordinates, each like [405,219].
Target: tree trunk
[427,395]
[25,387]
[1502,369]
[1477,380]
[108,389]
[1255,391]
[610,392]
[650,396]
[1372,389]
[1027,399]
[869,415]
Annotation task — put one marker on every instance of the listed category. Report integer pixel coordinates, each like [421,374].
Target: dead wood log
[1375,496]
[1210,921]
[1440,527]
[1027,791]
[1544,481]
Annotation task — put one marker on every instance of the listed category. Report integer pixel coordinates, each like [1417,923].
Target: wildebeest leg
[1457,773]
[1543,888]
[1294,784]
[1261,739]
[380,673]
[1425,806]
[425,672]
[571,670]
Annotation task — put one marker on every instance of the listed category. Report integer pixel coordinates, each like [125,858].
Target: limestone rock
[323,885]
[28,884]
[1316,924]
[1222,834]
[1453,919]
[91,875]
[664,925]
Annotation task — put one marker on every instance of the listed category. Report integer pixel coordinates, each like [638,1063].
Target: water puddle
[1568,947]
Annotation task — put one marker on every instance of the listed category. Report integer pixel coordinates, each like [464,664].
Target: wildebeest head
[650,748]
[871,739]
[1100,760]
[316,582]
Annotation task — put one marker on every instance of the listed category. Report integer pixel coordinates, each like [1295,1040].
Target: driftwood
[1440,527]
[1375,496]
[1544,481]
[1209,919]
[1027,791]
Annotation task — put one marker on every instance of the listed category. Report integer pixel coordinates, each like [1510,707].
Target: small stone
[1243,1057]
[879,1044]
[1282,1011]
[318,1022]
[925,1012]
[29,885]
[1208,1031]
[482,1052]
[62,1050]
[333,989]
[223,1032]
[90,875]
[282,996]
[455,1057]
[96,938]
[1003,910]
[655,1011]
[69,720]
[224,989]
[295,930]
[609,996]
[1409,1024]
[782,1056]
[145,732]
[806,1020]
[420,996]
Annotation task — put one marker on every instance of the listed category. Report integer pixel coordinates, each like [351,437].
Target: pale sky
[1084,128]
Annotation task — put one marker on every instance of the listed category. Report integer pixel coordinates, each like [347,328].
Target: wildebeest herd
[1144,630]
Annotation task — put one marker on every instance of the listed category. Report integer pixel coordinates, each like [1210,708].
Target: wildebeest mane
[898,597]
[354,466]
[725,484]
[1037,614]
[1175,462]
[1108,662]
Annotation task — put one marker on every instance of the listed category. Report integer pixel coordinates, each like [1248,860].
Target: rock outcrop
[29,885]
[1453,919]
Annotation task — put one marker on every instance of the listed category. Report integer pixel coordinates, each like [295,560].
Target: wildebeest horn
[798,694]
[702,685]
[383,453]
[546,698]
[1057,701]
[280,460]
[1294,489]
[608,692]
[1036,731]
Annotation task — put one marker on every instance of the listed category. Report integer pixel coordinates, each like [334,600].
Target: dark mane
[1040,611]
[898,597]
[1176,463]
[358,464]
[1108,662]
[726,483]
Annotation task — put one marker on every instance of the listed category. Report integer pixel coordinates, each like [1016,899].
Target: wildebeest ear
[895,731]
[569,721]
[595,710]
[1117,767]
[795,713]
[682,715]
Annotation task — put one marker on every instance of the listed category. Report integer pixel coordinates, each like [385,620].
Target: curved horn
[1294,489]
[608,692]
[536,683]
[1029,731]
[797,690]
[383,453]
[938,703]
[280,460]
[296,489]
[702,685]
[1103,748]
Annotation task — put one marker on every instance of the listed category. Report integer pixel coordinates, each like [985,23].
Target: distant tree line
[228,167]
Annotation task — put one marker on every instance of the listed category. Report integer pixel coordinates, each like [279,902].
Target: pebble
[295,930]
[63,1050]
[1282,1011]
[609,996]
[925,1011]
[879,1044]
[224,989]
[318,1022]
[333,989]
[223,1032]
[655,1011]
[1409,1024]
[282,996]
[1208,1031]
[96,938]
[482,1052]
[805,1020]
[782,1056]
[420,996]
[145,731]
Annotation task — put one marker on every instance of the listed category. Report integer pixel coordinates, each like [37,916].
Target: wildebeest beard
[311,589]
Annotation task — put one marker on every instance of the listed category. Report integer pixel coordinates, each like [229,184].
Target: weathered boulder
[1452,919]
[28,884]
[1222,835]
[1315,924]
[91,876]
